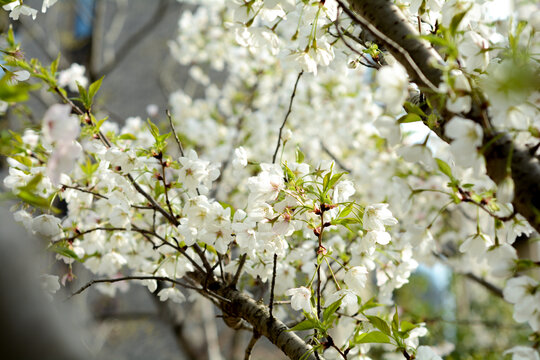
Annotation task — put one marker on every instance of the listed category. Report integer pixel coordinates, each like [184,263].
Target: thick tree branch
[257,315]
[388,24]
[240,307]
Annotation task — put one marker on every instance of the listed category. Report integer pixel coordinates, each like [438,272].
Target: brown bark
[258,316]
[388,24]
[240,306]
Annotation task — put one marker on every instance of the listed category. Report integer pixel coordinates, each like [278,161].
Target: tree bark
[258,316]
[388,24]
[240,306]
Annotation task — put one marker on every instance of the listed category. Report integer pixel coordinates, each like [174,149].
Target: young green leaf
[93,89]
[379,324]
[372,337]
[307,324]
[330,310]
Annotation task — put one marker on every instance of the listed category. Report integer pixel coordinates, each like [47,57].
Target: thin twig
[124,278]
[337,161]
[84,191]
[203,258]
[256,336]
[165,186]
[180,147]
[271,301]
[158,207]
[286,116]
[239,272]
[489,286]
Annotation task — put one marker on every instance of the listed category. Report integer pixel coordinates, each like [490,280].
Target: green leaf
[299,155]
[25,160]
[456,20]
[10,36]
[17,92]
[83,96]
[127,136]
[93,89]
[330,310]
[409,118]
[372,337]
[346,211]
[54,65]
[64,251]
[33,183]
[307,324]
[379,324]
[395,321]
[407,326]
[370,304]
[444,168]
[326,180]
[334,179]
[153,129]
[36,201]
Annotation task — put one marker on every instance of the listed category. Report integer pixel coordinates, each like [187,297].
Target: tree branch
[257,315]
[388,24]
[286,116]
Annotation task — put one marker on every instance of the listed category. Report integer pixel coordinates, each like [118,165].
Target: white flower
[376,216]
[307,62]
[520,291]
[476,245]
[126,161]
[505,190]
[25,218]
[300,298]
[343,191]
[47,4]
[152,110]
[522,353]
[473,47]
[392,91]
[267,185]
[418,153]
[459,101]
[50,284]
[47,226]
[426,353]
[111,263]
[59,125]
[375,236]
[171,293]
[193,171]
[19,75]
[71,76]
[30,138]
[467,137]
[502,260]
[356,278]
[16,9]
[62,160]
[240,157]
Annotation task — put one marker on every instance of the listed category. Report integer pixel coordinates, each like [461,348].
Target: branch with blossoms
[504,158]
[329,243]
